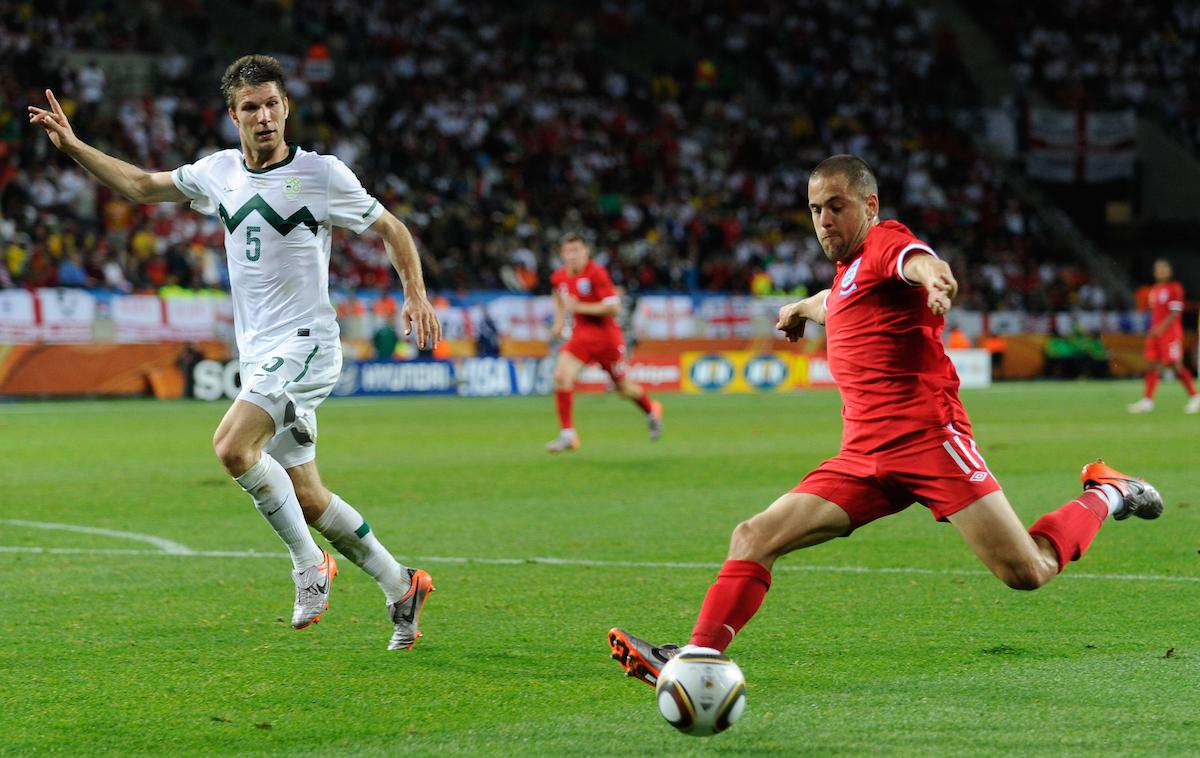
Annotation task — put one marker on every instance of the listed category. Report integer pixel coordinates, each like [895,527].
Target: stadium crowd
[490,129]
[1107,54]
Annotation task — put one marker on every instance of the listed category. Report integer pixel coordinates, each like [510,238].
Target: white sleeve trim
[904,254]
[611,299]
[1175,305]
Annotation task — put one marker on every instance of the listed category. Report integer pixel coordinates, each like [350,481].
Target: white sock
[1116,501]
[346,529]
[567,432]
[275,498]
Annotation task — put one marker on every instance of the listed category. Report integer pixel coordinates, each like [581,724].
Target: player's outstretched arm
[793,315]
[417,312]
[132,182]
[935,276]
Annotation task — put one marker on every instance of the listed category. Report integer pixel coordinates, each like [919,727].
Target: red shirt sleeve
[602,284]
[897,251]
[1175,299]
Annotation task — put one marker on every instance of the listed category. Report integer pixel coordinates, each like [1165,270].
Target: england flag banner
[664,317]
[18,317]
[138,318]
[67,314]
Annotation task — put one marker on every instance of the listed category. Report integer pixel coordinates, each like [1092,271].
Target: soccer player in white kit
[279,204]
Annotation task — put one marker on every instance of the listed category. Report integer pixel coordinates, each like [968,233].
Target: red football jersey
[592,285]
[885,349]
[1165,299]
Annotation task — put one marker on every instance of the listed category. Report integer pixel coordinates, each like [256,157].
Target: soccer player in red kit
[1164,341]
[583,289]
[906,437]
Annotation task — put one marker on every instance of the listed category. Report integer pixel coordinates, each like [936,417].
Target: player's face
[1162,271]
[574,255]
[841,217]
[260,111]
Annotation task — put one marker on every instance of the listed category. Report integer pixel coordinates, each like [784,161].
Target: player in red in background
[583,289]
[1164,341]
[906,438]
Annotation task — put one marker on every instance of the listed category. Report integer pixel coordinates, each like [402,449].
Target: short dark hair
[862,178]
[251,69]
[570,237]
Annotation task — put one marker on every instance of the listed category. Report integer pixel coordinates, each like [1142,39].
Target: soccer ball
[701,692]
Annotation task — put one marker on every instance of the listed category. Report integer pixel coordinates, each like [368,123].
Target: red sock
[1151,383]
[643,402]
[1185,376]
[563,398]
[731,602]
[1072,527]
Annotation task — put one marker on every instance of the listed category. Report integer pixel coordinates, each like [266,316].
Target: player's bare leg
[338,521]
[238,442]
[1027,559]
[566,371]
[1017,558]
[652,408]
[794,521]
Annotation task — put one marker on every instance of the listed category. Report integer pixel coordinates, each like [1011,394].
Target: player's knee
[1026,575]
[748,542]
[236,458]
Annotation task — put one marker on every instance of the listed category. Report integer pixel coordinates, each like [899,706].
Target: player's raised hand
[419,314]
[54,121]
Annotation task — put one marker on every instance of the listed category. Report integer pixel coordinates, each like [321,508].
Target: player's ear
[872,201]
[287,106]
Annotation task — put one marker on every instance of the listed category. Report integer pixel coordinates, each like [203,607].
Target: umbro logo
[979,476]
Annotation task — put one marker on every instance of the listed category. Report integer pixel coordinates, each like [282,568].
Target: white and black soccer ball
[701,692]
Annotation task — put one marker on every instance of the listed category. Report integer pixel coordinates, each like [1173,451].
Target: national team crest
[291,187]
[584,286]
[848,283]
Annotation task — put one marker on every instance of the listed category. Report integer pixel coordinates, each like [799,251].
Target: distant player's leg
[566,371]
[1153,369]
[238,443]
[1026,560]
[794,521]
[635,392]
[405,588]
[1175,353]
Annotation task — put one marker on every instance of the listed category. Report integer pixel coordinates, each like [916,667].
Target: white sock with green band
[347,531]
[271,489]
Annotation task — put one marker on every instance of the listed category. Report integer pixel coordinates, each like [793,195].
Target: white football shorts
[289,385]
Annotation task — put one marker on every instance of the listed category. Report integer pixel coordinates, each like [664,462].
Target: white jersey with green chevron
[278,226]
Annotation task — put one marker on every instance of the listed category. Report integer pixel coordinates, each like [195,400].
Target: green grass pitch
[892,642]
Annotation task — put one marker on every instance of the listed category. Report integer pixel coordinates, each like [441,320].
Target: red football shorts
[1165,350]
[944,472]
[608,353]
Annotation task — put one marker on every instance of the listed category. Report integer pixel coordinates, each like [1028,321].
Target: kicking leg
[796,520]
